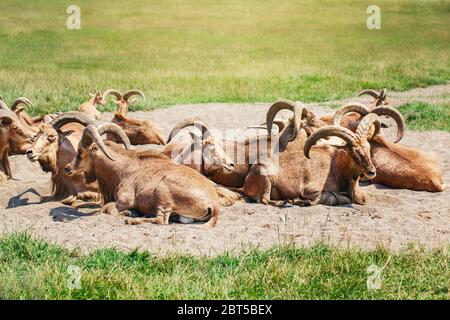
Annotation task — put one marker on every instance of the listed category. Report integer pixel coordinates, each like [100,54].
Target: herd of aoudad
[302,160]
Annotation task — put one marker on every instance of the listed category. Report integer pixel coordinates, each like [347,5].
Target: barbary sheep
[145,181]
[54,147]
[15,138]
[90,107]
[329,176]
[397,166]
[242,153]
[138,131]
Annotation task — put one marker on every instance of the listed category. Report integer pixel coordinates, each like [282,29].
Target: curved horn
[19,101]
[382,95]
[113,128]
[340,132]
[349,107]
[365,125]
[112,92]
[131,93]
[372,93]
[394,114]
[194,122]
[69,117]
[288,105]
[93,134]
[280,123]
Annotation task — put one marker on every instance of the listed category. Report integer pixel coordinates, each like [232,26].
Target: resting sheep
[397,166]
[90,107]
[242,153]
[329,177]
[138,131]
[15,138]
[145,181]
[54,147]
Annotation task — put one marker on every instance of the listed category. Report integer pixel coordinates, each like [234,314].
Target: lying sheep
[90,107]
[243,152]
[145,181]
[397,166]
[54,147]
[32,124]
[330,176]
[138,131]
[15,138]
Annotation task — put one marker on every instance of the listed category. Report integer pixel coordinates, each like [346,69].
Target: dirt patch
[392,218]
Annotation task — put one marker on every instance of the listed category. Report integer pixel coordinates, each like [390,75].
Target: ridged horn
[131,93]
[93,134]
[327,131]
[365,125]
[19,101]
[70,117]
[285,104]
[112,92]
[194,122]
[347,108]
[394,114]
[369,92]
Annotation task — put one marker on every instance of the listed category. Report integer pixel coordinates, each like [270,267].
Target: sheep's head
[363,111]
[97,98]
[357,144]
[88,147]
[212,153]
[13,133]
[214,156]
[45,146]
[122,101]
[380,97]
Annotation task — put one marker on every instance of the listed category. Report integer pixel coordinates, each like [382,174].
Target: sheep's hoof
[277,203]
[69,200]
[132,222]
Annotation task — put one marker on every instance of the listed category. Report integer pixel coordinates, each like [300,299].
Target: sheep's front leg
[162,217]
[358,196]
[69,200]
[115,209]
[259,187]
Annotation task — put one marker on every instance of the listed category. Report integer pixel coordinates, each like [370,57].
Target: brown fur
[90,107]
[399,166]
[14,139]
[404,167]
[138,131]
[54,150]
[149,183]
[330,177]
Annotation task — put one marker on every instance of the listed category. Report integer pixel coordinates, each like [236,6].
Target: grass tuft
[425,116]
[34,269]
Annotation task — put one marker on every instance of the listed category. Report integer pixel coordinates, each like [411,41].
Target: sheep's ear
[65,134]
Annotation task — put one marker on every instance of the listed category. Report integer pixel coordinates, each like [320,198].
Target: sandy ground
[393,218]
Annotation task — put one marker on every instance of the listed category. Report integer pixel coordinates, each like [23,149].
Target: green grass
[35,269]
[424,116]
[181,51]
